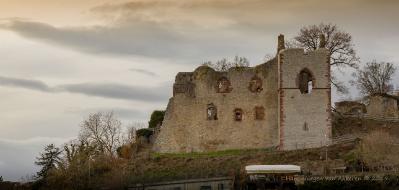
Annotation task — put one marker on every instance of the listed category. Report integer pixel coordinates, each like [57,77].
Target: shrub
[156,118]
[146,132]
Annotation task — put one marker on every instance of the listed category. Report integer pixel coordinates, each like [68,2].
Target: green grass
[174,166]
[231,152]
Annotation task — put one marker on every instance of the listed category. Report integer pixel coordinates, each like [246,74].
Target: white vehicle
[271,177]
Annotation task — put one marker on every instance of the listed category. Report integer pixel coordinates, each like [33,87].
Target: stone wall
[383,106]
[350,108]
[304,118]
[186,127]
[266,106]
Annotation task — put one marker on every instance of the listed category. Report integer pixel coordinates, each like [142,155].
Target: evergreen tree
[48,160]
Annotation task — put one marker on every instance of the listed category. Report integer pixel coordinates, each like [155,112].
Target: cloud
[193,31]
[35,140]
[143,71]
[189,32]
[117,91]
[105,90]
[141,39]
[24,83]
[127,114]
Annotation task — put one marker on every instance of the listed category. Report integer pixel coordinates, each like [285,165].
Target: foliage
[145,132]
[156,118]
[374,78]
[131,132]
[126,151]
[86,163]
[225,64]
[173,166]
[354,162]
[84,168]
[338,42]
[48,160]
[1,178]
[231,152]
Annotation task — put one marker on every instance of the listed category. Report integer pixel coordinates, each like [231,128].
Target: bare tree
[131,134]
[103,131]
[374,78]
[78,158]
[224,64]
[131,131]
[269,56]
[71,150]
[338,42]
[76,149]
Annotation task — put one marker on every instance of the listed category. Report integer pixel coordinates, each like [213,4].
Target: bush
[146,132]
[156,118]
[125,151]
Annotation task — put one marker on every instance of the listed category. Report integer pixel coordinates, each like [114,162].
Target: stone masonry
[383,106]
[283,103]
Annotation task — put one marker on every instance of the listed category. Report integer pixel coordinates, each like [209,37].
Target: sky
[63,59]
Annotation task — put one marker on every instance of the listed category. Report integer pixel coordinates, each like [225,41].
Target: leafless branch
[374,78]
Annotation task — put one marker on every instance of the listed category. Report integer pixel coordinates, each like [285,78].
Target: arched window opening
[211,112]
[255,85]
[223,85]
[306,81]
[238,114]
[259,113]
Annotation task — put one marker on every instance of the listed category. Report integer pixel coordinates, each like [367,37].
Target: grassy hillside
[151,167]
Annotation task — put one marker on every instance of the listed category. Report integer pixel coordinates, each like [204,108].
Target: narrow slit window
[305,126]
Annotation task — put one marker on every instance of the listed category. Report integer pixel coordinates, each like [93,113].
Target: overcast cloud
[145,72]
[117,91]
[24,83]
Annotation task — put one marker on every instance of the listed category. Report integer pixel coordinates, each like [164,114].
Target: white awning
[272,169]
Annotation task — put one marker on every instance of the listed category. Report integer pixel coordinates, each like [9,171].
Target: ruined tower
[304,98]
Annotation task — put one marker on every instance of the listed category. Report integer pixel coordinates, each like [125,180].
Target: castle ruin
[284,103]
